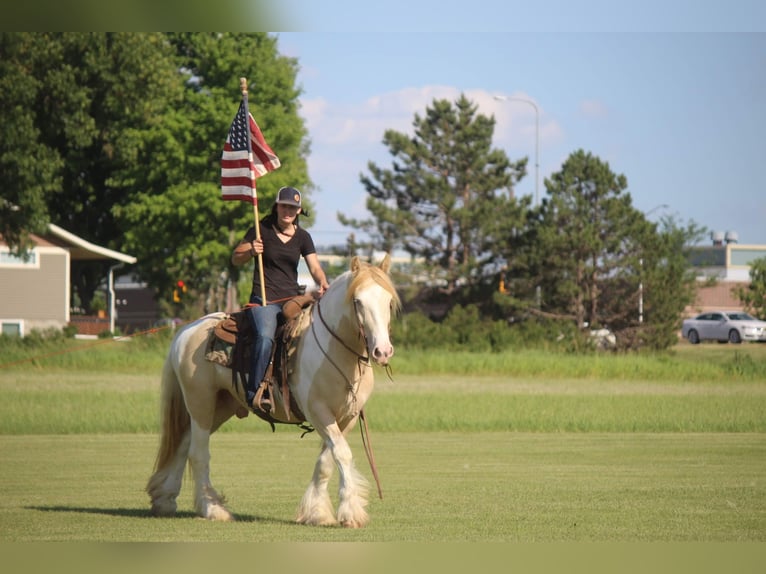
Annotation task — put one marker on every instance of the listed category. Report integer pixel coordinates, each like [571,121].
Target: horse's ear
[385,265]
[355,264]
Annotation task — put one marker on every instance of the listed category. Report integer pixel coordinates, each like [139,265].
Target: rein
[361,359]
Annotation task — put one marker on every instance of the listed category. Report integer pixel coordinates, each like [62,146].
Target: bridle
[360,358]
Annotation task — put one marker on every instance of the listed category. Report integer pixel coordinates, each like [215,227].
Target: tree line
[117,137]
[585,256]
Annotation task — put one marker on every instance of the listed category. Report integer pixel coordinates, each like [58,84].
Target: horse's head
[375,299]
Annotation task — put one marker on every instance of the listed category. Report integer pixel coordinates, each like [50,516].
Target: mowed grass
[457,487]
[589,448]
[86,402]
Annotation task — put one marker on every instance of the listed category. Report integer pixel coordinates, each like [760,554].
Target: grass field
[569,454]
[440,486]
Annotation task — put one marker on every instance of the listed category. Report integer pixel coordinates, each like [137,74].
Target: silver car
[721,326]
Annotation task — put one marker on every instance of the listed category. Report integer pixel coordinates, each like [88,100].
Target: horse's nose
[382,353]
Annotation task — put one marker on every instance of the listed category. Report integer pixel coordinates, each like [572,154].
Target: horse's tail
[174,417]
[174,427]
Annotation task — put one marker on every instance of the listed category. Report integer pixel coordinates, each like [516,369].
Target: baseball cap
[290,196]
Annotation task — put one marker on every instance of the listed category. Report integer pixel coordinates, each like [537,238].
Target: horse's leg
[207,502]
[316,507]
[165,483]
[352,487]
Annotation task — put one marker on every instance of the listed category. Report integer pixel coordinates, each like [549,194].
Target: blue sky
[672,96]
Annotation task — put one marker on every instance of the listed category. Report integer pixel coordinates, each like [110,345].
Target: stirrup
[260,402]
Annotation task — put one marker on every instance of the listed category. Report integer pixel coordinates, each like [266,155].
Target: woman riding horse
[281,244]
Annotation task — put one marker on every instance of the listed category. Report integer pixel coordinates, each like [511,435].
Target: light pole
[537,138]
[641,265]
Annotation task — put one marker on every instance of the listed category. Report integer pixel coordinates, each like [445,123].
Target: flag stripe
[266,157]
[238,172]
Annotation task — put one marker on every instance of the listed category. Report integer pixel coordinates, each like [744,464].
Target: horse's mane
[367,273]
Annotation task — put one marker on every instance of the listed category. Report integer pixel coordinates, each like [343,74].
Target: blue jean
[263,320]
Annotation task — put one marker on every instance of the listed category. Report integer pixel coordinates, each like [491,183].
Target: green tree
[588,256]
[585,236]
[89,105]
[753,296]
[29,169]
[184,230]
[118,138]
[668,285]
[448,197]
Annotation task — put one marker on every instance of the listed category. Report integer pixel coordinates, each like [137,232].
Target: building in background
[36,293]
[725,265]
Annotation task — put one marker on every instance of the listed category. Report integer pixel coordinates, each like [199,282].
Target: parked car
[733,327]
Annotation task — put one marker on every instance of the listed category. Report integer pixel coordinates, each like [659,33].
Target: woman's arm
[315,268]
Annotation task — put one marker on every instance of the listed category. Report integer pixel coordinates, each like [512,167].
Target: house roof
[81,249]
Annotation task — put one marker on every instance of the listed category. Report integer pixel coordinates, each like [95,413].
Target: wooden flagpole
[243,88]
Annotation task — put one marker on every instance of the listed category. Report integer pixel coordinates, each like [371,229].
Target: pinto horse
[331,380]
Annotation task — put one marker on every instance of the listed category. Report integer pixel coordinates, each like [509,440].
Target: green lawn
[665,448]
[437,487]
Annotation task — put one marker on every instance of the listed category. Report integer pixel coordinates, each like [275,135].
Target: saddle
[230,344]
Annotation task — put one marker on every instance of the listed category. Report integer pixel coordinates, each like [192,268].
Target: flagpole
[243,88]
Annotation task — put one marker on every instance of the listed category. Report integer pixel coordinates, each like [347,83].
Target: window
[7,259]
[12,328]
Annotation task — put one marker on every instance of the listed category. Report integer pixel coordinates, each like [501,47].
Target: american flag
[238,173]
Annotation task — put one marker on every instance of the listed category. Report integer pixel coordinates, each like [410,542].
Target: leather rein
[361,360]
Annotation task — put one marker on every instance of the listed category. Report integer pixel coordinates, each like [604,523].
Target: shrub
[463,329]
[69,331]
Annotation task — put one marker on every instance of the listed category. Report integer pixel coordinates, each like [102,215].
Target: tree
[448,197]
[118,137]
[585,236]
[29,170]
[669,282]
[184,228]
[753,296]
[587,255]
[87,105]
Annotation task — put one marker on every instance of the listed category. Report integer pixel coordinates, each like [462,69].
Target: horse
[331,380]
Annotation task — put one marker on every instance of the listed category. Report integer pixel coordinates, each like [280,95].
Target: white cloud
[365,123]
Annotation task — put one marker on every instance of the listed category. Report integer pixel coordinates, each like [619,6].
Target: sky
[671,95]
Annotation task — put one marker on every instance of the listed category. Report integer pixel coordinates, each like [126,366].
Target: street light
[641,264]
[537,138]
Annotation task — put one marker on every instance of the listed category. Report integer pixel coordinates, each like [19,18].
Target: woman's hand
[245,251]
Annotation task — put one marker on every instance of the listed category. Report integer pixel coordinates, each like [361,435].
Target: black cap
[290,196]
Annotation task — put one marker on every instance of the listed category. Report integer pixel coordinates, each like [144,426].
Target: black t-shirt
[280,260]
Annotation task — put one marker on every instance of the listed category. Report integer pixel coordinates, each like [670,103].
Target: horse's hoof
[351,524]
[219,514]
[163,511]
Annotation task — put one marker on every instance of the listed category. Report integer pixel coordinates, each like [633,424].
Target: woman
[282,244]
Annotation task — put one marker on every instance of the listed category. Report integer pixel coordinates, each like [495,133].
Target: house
[725,265]
[36,293]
